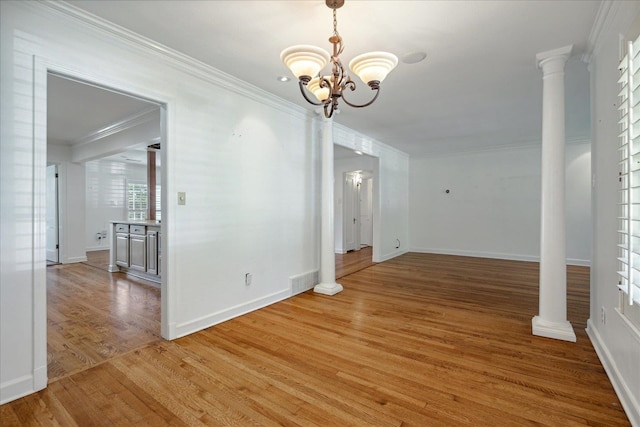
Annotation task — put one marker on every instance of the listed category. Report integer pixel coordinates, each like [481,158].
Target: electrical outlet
[247,279]
[104,234]
[603,315]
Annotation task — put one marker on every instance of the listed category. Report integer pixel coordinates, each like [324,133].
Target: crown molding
[177,59]
[522,145]
[134,120]
[596,29]
[348,138]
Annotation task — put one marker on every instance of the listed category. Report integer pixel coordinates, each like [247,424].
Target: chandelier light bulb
[305,60]
[373,66]
[322,93]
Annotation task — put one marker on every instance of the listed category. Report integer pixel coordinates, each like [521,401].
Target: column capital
[556,56]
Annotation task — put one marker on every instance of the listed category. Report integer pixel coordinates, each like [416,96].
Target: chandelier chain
[335,24]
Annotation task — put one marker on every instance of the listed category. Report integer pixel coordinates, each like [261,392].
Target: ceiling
[478,88]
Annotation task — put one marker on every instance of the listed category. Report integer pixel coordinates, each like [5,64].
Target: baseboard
[20,387]
[204,322]
[97,248]
[629,403]
[390,255]
[76,259]
[495,255]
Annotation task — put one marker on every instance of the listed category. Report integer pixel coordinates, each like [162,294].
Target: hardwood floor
[420,340]
[354,261]
[98,259]
[93,316]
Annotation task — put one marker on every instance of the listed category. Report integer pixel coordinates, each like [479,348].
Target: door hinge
[56,174]
[57,246]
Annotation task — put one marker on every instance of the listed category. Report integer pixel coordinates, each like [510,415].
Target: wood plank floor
[93,316]
[353,261]
[420,340]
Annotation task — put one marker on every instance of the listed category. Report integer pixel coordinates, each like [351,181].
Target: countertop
[137,222]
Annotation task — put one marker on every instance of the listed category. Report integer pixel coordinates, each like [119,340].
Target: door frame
[42,67]
[56,210]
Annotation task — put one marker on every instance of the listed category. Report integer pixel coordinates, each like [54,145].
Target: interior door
[366,212]
[52,214]
[351,227]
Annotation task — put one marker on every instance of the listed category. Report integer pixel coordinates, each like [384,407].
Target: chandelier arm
[377,89]
[304,94]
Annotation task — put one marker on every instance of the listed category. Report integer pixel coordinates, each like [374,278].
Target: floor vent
[303,282]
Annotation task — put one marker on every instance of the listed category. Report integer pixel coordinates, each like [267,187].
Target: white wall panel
[493,205]
[617,344]
[106,196]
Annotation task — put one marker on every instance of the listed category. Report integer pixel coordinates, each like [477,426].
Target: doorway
[96,136]
[355,198]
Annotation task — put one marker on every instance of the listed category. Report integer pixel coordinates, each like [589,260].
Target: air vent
[303,282]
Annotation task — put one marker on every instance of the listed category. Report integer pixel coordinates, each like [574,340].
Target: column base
[556,330]
[328,288]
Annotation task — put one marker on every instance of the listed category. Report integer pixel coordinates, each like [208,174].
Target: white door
[366,212]
[351,198]
[52,214]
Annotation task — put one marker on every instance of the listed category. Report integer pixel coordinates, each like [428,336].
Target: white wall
[106,196]
[248,163]
[617,344]
[71,178]
[493,205]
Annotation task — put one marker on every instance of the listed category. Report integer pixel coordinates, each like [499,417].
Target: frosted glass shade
[322,93]
[373,65]
[305,60]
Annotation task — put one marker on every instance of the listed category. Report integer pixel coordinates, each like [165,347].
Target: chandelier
[306,63]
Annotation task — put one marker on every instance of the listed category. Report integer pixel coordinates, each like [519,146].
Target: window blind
[629,173]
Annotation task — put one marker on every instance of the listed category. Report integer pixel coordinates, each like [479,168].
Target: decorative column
[327,285]
[552,321]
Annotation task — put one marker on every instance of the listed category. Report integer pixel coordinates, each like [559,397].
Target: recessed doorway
[97,139]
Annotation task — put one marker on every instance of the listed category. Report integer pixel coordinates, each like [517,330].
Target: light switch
[182,198]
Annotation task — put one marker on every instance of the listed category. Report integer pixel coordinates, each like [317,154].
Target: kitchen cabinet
[135,249]
[121,245]
[152,250]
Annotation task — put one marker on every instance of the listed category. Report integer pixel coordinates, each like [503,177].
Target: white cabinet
[152,250]
[121,245]
[136,250]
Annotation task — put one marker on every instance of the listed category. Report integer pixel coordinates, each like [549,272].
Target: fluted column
[552,320]
[327,285]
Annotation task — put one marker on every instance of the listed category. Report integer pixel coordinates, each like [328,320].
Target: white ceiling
[478,88]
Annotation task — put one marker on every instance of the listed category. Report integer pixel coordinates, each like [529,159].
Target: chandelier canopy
[306,63]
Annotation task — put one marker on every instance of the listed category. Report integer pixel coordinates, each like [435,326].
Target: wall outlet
[104,234]
[603,315]
[248,278]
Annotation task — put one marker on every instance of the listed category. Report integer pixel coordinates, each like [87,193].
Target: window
[137,201]
[629,177]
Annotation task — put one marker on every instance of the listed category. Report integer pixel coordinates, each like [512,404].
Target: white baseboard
[390,255]
[495,255]
[182,329]
[97,248]
[629,403]
[72,260]
[17,388]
